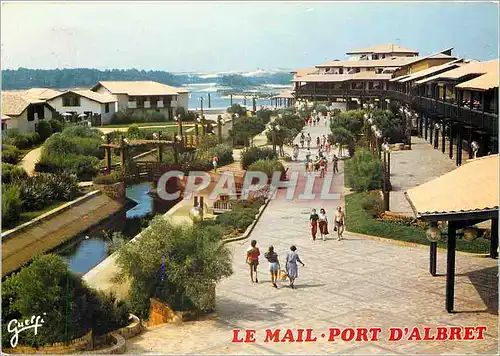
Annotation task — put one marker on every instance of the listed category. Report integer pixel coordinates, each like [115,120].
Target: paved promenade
[357,282]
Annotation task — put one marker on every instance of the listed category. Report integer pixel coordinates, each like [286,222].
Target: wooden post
[425,127]
[494,238]
[386,185]
[201,207]
[195,201]
[459,147]
[196,130]
[209,101]
[450,137]
[231,98]
[176,151]
[443,138]
[122,153]
[219,128]
[433,255]
[450,267]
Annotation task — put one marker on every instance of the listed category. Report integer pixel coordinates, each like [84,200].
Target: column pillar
[459,148]
[450,267]
[450,137]
[443,138]
[425,127]
[494,238]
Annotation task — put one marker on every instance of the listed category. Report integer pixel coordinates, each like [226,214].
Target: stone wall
[48,231]
[114,191]
[83,343]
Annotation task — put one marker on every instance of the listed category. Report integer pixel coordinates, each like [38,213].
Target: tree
[392,125]
[178,265]
[69,308]
[341,136]
[363,172]
[351,120]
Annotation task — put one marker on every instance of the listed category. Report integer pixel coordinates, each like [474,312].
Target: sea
[220,99]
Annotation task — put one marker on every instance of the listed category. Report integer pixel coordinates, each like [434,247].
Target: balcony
[132,105]
[341,92]
[159,103]
[147,104]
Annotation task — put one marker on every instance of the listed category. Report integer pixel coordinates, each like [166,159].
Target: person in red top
[253,254]
[215,162]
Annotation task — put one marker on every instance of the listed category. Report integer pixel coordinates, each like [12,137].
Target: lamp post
[178,119]
[437,126]
[370,122]
[196,129]
[378,135]
[220,123]
[387,152]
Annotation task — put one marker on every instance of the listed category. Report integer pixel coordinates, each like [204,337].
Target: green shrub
[11,204]
[267,166]
[33,138]
[363,172]
[10,154]
[11,172]
[237,109]
[84,167]
[44,129]
[40,190]
[47,288]
[253,154]
[224,152]
[112,178]
[239,219]
[56,125]
[373,204]
[265,114]
[178,265]
[196,165]
[133,131]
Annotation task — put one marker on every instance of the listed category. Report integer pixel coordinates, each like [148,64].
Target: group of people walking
[291,268]
[320,222]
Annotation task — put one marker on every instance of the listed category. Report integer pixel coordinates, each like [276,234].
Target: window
[131,98]
[71,100]
[375,56]
[341,71]
[4,126]
[106,107]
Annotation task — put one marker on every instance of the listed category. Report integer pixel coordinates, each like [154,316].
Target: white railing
[159,103]
[147,104]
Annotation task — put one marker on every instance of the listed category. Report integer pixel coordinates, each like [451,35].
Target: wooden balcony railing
[480,119]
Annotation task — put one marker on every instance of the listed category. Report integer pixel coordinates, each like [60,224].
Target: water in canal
[89,248]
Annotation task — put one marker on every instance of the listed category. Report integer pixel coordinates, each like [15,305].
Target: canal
[89,248]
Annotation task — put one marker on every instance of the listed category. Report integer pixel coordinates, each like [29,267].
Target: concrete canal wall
[51,229]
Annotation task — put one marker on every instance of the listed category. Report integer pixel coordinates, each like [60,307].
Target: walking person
[318,142]
[323,141]
[323,223]
[313,223]
[322,168]
[291,265]
[295,152]
[274,265]
[335,164]
[215,162]
[253,254]
[302,139]
[339,223]
[308,140]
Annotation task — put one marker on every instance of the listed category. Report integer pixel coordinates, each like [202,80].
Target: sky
[234,36]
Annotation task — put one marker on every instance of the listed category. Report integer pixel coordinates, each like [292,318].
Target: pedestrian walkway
[413,167]
[31,158]
[356,282]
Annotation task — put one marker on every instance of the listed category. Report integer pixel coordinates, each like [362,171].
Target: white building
[23,112]
[145,96]
[98,108]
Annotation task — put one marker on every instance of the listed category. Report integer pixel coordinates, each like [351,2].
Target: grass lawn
[357,220]
[29,215]
[143,124]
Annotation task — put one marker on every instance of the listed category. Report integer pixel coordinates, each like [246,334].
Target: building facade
[145,96]
[22,112]
[444,96]
[98,108]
